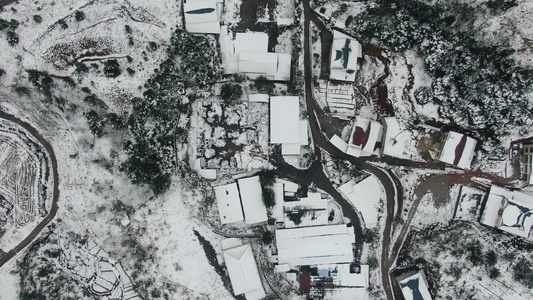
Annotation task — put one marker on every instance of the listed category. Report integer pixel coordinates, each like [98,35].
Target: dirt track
[5,257]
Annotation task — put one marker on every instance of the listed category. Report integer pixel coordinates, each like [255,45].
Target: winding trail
[5,257]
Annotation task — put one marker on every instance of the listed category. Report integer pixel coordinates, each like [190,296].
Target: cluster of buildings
[314,256]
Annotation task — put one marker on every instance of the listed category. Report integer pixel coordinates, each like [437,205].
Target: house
[457,149]
[252,200]
[286,128]
[365,137]
[229,203]
[396,139]
[241,201]
[414,285]
[365,196]
[510,211]
[202,16]
[343,59]
[242,269]
[527,162]
[315,245]
[247,53]
[307,211]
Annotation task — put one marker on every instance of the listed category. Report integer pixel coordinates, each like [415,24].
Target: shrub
[111,68]
[37,18]
[475,253]
[13,24]
[130,71]
[12,38]
[62,23]
[128,29]
[523,273]
[81,68]
[491,258]
[79,15]
[230,92]
[263,85]
[494,273]
[267,238]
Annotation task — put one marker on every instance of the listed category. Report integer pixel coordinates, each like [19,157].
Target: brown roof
[360,136]
[305,283]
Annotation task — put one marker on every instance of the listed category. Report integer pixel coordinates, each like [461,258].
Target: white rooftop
[396,140]
[348,285]
[365,135]
[243,272]
[344,53]
[229,203]
[284,119]
[365,196]
[458,150]
[315,245]
[252,201]
[202,16]
[509,211]
[414,286]
[274,66]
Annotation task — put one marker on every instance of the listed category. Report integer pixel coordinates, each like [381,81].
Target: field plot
[232,137]
[25,184]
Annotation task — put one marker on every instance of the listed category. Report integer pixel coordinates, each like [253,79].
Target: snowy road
[5,257]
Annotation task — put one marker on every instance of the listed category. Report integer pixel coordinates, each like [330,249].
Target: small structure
[242,269]
[527,163]
[365,137]
[252,201]
[315,245]
[414,285]
[396,139]
[457,149]
[308,211]
[229,203]
[247,52]
[344,54]
[341,281]
[286,128]
[509,211]
[202,16]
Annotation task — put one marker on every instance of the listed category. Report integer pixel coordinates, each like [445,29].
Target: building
[509,211]
[252,201]
[365,138]
[341,281]
[286,128]
[315,245]
[242,269]
[414,285]
[396,140]
[344,54]
[247,53]
[527,163]
[365,196]
[229,203]
[202,16]
[457,149]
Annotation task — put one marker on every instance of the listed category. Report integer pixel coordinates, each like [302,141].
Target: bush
[79,15]
[12,38]
[81,68]
[267,238]
[127,28]
[13,24]
[4,24]
[230,92]
[130,71]
[263,85]
[491,258]
[111,68]
[475,253]
[523,273]
[494,273]
[37,18]
[62,23]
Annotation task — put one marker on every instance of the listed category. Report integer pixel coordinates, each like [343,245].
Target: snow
[397,140]
[251,199]
[315,245]
[365,196]
[263,98]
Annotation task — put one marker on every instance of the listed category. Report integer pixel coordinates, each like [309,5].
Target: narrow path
[5,257]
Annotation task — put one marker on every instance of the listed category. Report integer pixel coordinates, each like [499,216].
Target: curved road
[5,257]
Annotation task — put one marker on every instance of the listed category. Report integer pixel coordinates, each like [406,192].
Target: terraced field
[25,183]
